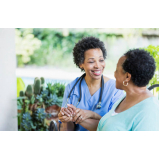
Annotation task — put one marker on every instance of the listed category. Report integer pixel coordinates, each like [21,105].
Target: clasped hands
[72,114]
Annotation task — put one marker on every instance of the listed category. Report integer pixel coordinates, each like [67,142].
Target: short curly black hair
[141,65]
[85,44]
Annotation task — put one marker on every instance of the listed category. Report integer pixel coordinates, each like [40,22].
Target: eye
[101,60]
[90,62]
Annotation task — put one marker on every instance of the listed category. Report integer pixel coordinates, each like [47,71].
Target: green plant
[53,99]
[53,95]
[154,51]
[32,115]
[33,102]
[36,88]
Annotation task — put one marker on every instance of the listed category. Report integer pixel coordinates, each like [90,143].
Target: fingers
[75,118]
[72,107]
[79,119]
[77,110]
[71,110]
[65,111]
[62,111]
[65,119]
[69,113]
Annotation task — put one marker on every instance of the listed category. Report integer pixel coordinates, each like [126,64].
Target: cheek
[104,64]
[88,67]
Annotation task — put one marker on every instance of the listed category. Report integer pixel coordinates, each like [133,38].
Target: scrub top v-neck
[88,102]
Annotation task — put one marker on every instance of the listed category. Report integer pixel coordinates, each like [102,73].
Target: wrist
[90,114]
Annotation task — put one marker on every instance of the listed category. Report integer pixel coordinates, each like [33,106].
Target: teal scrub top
[144,116]
[88,102]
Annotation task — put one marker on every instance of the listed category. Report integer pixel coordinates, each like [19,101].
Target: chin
[117,86]
[96,77]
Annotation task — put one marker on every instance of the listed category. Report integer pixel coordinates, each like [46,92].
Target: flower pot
[53,110]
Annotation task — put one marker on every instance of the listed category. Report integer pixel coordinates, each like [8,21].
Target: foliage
[56,88]
[53,95]
[154,51]
[34,100]
[53,99]
[26,44]
[57,44]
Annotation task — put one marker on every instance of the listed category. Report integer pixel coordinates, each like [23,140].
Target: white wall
[8,108]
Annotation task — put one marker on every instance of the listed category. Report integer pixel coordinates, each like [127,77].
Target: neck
[136,92]
[92,82]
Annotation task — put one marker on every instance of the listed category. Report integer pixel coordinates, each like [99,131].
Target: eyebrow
[93,58]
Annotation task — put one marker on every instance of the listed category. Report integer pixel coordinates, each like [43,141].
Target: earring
[125,84]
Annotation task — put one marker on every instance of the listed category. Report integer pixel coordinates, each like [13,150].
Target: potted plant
[39,105]
[54,100]
[52,97]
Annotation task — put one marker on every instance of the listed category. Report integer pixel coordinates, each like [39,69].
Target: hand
[67,111]
[79,114]
[63,117]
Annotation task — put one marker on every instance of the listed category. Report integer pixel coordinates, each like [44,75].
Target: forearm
[90,124]
[94,115]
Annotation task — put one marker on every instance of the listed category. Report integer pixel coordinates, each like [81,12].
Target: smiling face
[119,74]
[94,63]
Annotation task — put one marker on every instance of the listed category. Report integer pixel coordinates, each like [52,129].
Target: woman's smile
[96,72]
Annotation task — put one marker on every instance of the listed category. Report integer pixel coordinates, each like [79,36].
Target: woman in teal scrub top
[138,110]
[89,55]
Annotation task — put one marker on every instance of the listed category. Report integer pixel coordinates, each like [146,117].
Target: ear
[128,77]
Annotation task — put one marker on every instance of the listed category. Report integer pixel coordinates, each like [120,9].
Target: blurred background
[47,52]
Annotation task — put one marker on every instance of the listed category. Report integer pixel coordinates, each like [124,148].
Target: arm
[94,115]
[81,114]
[90,124]
[86,118]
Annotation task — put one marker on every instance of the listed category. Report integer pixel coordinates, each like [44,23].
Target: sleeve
[146,122]
[117,94]
[66,93]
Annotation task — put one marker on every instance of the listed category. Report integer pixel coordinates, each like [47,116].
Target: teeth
[96,71]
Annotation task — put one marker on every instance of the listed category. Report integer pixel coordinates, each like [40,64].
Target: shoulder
[110,85]
[148,109]
[106,79]
[71,84]
[147,115]
[109,81]
[149,105]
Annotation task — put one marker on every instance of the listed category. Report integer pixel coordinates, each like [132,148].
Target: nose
[97,64]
